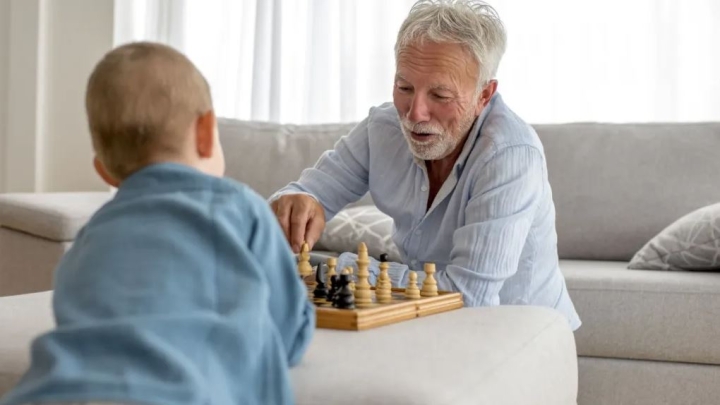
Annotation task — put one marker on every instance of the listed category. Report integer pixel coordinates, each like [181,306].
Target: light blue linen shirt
[491,228]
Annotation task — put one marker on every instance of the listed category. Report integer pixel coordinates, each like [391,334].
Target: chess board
[376,315]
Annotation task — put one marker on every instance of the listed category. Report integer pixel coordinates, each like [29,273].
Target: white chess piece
[363,296]
[411,291]
[429,288]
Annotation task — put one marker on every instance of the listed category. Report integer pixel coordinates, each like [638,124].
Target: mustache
[421,127]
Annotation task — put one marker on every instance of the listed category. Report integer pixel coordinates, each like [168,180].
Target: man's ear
[103,173]
[485,95]
[205,134]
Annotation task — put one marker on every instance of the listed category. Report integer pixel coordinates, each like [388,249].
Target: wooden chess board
[376,315]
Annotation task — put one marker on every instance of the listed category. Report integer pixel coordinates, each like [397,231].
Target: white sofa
[647,336]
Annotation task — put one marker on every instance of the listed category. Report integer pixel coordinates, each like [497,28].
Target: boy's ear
[205,134]
[103,173]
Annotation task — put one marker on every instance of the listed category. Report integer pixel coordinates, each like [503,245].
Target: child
[182,289]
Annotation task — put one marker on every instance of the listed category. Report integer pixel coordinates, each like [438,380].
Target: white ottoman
[502,355]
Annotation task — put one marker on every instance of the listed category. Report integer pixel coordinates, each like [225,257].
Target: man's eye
[404,88]
[441,97]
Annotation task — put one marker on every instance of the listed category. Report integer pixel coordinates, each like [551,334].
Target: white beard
[438,145]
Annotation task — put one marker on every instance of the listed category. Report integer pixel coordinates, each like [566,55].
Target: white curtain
[313,61]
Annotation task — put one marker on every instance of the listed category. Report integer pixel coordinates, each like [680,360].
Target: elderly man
[462,176]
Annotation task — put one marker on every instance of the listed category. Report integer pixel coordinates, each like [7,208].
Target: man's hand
[301,217]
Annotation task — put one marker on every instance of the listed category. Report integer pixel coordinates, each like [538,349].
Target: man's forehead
[441,81]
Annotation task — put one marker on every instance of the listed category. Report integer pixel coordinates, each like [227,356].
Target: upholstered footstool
[35,231]
[493,356]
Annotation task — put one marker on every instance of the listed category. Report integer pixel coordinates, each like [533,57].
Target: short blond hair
[141,98]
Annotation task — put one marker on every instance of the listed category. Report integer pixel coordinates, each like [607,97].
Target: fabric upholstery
[23,317]
[690,243]
[504,355]
[648,315]
[27,262]
[54,216]
[616,186]
[360,224]
[625,382]
[267,156]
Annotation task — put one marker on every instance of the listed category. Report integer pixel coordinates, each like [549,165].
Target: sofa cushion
[267,156]
[365,224]
[690,243]
[503,355]
[23,317]
[615,186]
[648,315]
[54,216]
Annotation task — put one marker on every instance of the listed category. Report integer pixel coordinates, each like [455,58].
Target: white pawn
[411,291]
[383,287]
[349,271]
[304,267]
[331,264]
[429,288]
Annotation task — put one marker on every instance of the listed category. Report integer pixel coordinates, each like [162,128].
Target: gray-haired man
[463,177]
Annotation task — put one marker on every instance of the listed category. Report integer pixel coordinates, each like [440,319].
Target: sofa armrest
[35,232]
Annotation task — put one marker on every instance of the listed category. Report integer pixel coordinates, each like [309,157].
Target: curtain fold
[312,61]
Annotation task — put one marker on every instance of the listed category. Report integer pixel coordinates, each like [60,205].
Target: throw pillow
[690,243]
[353,225]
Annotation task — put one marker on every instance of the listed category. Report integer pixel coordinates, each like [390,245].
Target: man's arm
[339,177]
[498,217]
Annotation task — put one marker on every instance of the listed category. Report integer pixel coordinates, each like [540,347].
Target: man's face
[436,98]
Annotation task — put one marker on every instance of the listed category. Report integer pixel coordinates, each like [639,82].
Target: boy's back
[178,291]
[182,289]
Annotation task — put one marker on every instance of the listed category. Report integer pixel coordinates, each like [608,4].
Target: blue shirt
[180,290]
[491,228]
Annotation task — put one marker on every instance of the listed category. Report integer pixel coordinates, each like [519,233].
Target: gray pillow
[365,224]
[690,243]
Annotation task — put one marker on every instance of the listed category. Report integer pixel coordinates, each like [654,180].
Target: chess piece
[429,288]
[331,265]
[321,290]
[332,292]
[363,296]
[383,287]
[349,271]
[344,298]
[412,291]
[304,267]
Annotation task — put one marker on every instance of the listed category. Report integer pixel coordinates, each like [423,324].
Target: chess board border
[359,319]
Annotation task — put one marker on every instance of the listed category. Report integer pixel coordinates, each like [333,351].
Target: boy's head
[147,103]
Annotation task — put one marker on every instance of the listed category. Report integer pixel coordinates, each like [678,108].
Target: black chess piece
[321,290]
[384,257]
[345,299]
[334,286]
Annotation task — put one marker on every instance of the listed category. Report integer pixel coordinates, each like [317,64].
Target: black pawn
[345,299]
[333,288]
[321,290]
[384,257]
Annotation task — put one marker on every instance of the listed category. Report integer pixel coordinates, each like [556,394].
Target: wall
[51,48]
[4,62]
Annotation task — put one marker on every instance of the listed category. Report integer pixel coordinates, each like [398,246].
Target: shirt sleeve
[290,307]
[499,214]
[340,176]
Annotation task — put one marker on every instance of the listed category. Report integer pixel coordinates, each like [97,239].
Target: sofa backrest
[268,156]
[614,185]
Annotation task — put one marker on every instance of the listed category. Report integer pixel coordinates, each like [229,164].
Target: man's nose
[419,111]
